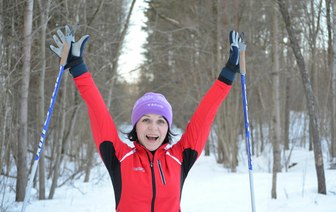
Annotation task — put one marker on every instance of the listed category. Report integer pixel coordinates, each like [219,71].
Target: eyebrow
[150,116]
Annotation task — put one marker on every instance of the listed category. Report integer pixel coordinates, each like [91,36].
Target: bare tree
[313,25]
[90,158]
[332,56]
[276,112]
[58,144]
[3,88]
[44,16]
[22,172]
[309,98]
[116,59]
[287,98]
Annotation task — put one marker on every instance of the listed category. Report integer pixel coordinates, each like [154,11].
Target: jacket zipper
[161,173]
[153,182]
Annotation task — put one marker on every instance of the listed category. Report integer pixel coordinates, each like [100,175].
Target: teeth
[152,136]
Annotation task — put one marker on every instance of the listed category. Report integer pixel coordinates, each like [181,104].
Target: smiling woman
[151,130]
[152,117]
[150,175]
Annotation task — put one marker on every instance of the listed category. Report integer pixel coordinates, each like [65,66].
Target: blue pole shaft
[43,135]
[45,127]
[242,66]
[248,144]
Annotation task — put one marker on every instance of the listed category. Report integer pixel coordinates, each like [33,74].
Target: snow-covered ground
[209,187]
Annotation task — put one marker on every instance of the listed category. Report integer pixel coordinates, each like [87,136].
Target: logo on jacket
[138,169]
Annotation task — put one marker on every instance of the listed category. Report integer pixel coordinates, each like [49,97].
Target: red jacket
[141,181]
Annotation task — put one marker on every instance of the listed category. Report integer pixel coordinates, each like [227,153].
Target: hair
[132,136]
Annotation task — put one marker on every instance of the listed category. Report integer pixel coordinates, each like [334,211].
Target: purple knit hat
[152,103]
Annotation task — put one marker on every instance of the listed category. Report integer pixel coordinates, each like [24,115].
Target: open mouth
[152,137]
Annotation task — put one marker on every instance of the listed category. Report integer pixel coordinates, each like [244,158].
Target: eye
[145,120]
[161,121]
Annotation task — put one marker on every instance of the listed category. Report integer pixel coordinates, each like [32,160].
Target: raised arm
[197,132]
[104,131]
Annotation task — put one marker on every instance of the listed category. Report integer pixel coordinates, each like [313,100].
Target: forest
[290,65]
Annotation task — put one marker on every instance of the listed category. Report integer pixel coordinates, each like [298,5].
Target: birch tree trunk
[22,170]
[91,147]
[309,97]
[333,84]
[215,57]
[215,53]
[287,100]
[59,143]
[276,112]
[6,122]
[313,32]
[41,115]
[3,88]
[71,127]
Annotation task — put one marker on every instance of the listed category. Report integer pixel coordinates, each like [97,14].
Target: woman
[150,176]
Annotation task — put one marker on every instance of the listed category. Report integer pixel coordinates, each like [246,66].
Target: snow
[208,187]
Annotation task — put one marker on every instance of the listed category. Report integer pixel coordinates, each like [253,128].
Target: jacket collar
[143,150]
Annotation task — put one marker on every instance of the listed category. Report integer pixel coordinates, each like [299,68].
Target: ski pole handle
[65,53]
[242,48]
[242,62]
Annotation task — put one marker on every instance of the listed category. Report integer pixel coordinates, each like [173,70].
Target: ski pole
[242,48]
[46,124]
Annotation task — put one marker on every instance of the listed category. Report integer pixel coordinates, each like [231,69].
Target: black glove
[228,73]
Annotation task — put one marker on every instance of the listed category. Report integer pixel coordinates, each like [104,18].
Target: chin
[152,148]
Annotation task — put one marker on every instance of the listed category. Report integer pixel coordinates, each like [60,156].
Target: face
[151,130]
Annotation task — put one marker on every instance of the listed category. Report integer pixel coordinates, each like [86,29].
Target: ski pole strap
[74,61]
[78,70]
[233,68]
[227,76]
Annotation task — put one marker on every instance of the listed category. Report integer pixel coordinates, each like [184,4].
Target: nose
[152,126]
